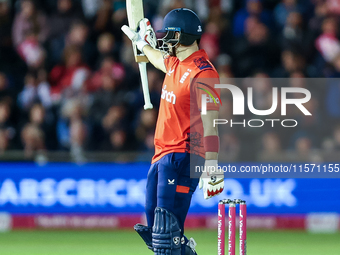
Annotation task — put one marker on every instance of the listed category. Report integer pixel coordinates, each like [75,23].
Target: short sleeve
[169,61]
[204,84]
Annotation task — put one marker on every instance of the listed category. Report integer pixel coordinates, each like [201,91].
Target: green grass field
[129,243]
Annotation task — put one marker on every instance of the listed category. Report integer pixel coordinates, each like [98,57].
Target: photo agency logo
[238,104]
[209,97]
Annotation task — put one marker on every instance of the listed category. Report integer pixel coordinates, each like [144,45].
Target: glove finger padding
[147,33]
[143,26]
[215,186]
[129,33]
[144,36]
[212,180]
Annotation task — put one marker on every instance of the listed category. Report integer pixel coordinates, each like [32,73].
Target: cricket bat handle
[145,85]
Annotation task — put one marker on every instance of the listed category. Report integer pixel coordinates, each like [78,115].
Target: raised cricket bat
[135,13]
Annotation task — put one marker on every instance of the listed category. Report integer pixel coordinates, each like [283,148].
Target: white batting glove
[145,35]
[212,180]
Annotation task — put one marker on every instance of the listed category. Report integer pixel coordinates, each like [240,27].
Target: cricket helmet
[184,21]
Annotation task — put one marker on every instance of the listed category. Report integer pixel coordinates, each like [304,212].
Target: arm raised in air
[145,40]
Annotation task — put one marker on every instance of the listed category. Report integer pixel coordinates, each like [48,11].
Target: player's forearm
[208,123]
[155,57]
[210,130]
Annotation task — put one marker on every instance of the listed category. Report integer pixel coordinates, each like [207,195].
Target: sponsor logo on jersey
[210,98]
[171,182]
[168,96]
[202,63]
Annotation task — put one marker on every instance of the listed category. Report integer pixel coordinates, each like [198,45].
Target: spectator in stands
[105,96]
[72,128]
[293,33]
[31,51]
[136,98]
[113,125]
[34,133]
[155,78]
[224,66]
[146,126]
[78,36]
[5,23]
[303,148]
[336,138]
[110,17]
[271,148]
[106,48]
[8,96]
[126,54]
[321,12]
[262,90]
[71,76]
[4,141]
[253,9]
[91,7]
[5,93]
[6,49]
[332,97]
[7,131]
[61,21]
[336,66]
[210,41]
[36,89]
[254,50]
[107,111]
[292,60]
[109,69]
[27,20]
[284,9]
[118,140]
[327,43]
[103,18]
[229,146]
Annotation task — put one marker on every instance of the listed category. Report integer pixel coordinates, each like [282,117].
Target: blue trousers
[169,186]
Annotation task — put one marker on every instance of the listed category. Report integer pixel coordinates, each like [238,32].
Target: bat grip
[145,85]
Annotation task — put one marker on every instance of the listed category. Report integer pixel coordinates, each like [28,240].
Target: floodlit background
[75,144]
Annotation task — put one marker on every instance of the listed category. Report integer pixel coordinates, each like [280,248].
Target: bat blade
[135,13]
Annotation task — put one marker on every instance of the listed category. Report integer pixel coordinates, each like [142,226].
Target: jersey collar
[199,53]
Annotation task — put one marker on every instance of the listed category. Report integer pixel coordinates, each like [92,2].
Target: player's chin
[172,52]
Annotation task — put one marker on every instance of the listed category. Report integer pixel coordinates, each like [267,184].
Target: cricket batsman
[183,133]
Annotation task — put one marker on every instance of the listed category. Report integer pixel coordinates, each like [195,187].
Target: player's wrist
[211,155]
[211,162]
[211,166]
[141,44]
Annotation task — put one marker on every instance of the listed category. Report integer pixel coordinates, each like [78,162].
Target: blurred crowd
[68,79]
